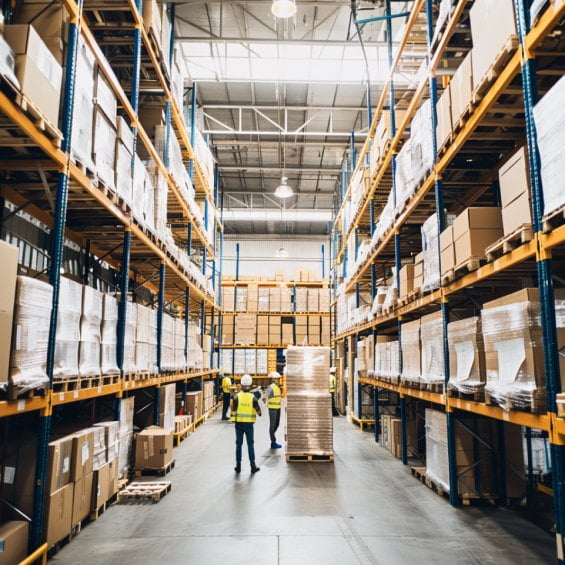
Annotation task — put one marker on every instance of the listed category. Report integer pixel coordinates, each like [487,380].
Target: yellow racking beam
[14,407]
[58,398]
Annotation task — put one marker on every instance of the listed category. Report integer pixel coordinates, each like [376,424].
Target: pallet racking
[84,212]
[497,120]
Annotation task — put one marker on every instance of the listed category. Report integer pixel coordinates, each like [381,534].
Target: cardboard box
[113,476]
[194,404]
[473,243]
[13,541]
[60,463]
[100,486]
[515,192]
[83,454]
[447,250]
[461,88]
[477,218]
[516,214]
[444,119]
[59,514]
[406,280]
[153,448]
[287,333]
[82,499]
[9,261]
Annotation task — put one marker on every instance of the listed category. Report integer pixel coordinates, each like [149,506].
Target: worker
[226,395]
[244,409]
[332,391]
[274,406]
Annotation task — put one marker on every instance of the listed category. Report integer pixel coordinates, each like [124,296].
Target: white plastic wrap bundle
[466,355]
[239,361]
[262,355]
[109,337]
[68,329]
[309,425]
[145,339]
[385,219]
[393,355]
[99,457]
[138,190]
[32,315]
[430,250]
[437,461]
[127,407]
[411,358]
[112,438]
[549,116]
[180,358]
[445,8]
[104,148]
[149,201]
[167,408]
[226,360]
[7,62]
[251,361]
[404,177]
[161,193]
[168,343]
[536,8]
[130,338]
[433,358]
[90,336]
[422,143]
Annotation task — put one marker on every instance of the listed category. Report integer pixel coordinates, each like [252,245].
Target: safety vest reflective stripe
[332,383]
[274,402]
[245,411]
[226,384]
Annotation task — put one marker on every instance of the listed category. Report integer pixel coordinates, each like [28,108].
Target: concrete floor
[365,508]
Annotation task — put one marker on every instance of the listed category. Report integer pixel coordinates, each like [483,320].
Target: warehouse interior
[323,240]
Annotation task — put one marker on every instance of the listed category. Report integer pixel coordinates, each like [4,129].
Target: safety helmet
[332,370]
[274,375]
[246,380]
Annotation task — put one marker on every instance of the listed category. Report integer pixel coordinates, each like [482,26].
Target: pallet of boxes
[309,422]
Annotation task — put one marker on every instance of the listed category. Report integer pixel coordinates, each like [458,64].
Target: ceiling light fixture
[283,190]
[281,253]
[283,8]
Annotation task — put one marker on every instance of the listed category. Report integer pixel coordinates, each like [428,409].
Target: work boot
[254,469]
[275,445]
[225,418]
[237,468]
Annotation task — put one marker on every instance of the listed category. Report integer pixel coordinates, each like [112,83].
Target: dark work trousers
[226,399]
[274,421]
[244,429]
[334,409]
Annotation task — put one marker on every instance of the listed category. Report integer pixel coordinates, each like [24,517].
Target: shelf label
[21,405]
[62,396]
[99,390]
[75,394]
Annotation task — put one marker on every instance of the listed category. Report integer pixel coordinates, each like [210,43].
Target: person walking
[226,396]
[244,409]
[332,391]
[274,406]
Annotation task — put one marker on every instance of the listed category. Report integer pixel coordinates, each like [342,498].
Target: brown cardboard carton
[59,514]
[517,213]
[13,541]
[9,261]
[100,486]
[153,448]
[60,463]
[406,280]
[83,454]
[287,331]
[447,250]
[444,120]
[477,218]
[313,300]
[113,476]
[473,243]
[514,177]
[461,88]
[82,499]
[194,404]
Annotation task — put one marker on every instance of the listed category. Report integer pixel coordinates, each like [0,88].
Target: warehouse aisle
[301,513]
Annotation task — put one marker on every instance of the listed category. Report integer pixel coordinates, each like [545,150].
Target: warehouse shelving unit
[494,124]
[86,213]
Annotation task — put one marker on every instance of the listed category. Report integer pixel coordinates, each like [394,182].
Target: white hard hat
[332,369]
[246,380]
[274,375]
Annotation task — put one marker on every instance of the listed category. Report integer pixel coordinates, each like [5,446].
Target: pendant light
[283,190]
[283,8]
[281,253]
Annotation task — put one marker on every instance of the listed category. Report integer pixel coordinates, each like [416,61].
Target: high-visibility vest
[245,411]
[274,402]
[332,383]
[226,385]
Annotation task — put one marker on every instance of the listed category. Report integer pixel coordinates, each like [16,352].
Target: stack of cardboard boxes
[153,448]
[194,404]
[391,435]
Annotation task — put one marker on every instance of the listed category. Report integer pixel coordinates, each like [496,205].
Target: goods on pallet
[9,262]
[167,407]
[179,352]
[391,435]
[109,333]
[104,148]
[387,358]
[129,365]
[383,137]
[168,343]
[99,454]
[466,356]
[406,276]
[430,253]
[194,404]
[126,434]
[245,329]
[90,324]
[309,425]
[513,348]
[146,339]
[13,540]
[447,250]
[153,448]
[431,339]
[8,62]
[111,438]
[208,399]
[411,352]
[549,116]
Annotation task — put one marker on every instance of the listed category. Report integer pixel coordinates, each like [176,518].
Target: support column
[123,304]
[192,129]
[156,404]
[186,320]
[160,313]
[376,415]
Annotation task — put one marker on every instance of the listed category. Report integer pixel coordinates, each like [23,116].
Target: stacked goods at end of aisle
[126,435]
[109,336]
[68,330]
[182,423]
[309,426]
[13,540]
[245,329]
[146,339]
[228,298]
[153,448]
[475,474]
[411,354]
[9,262]
[194,404]
[90,323]
[209,399]
[513,349]
[130,338]
[167,397]
[549,116]
[241,299]
[466,357]
[391,435]
[431,339]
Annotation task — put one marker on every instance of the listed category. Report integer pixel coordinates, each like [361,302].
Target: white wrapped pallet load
[549,116]
[138,190]
[422,149]
[130,338]
[32,316]
[149,201]
[431,337]
[146,339]
[127,407]
[124,152]
[65,363]
[8,62]
[104,148]
[168,343]
[431,253]
[404,177]
[90,336]
[262,356]
[167,407]
[226,361]
[180,357]
[112,438]
[109,337]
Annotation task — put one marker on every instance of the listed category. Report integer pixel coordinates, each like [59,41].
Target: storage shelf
[22,405]
[316,284]
[280,314]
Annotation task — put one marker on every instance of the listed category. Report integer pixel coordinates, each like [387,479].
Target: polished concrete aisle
[365,508]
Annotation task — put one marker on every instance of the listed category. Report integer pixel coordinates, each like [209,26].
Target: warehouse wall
[257,255]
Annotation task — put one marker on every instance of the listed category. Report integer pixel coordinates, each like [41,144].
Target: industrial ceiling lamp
[283,8]
[281,253]
[283,190]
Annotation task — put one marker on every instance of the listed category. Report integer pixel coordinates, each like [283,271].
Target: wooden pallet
[138,376]
[509,242]
[140,492]
[95,514]
[16,393]
[160,472]
[536,403]
[477,395]
[462,120]
[41,122]
[85,168]
[447,277]
[554,219]
[309,458]
[468,266]
[496,68]
[112,194]
[436,388]
[561,405]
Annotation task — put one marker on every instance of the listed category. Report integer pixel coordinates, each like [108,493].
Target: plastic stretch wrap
[262,359]
[149,201]
[109,335]
[430,250]
[168,343]
[130,338]
[68,329]
[138,189]
[167,407]
[104,148]
[411,358]
[404,178]
[226,360]
[180,358]
[239,361]
[146,339]
[422,148]
[515,374]
[241,300]
[433,358]
[466,355]
[549,116]
[99,454]
[127,408]
[123,178]
[32,315]
[309,426]
[7,62]
[90,336]
[445,8]
[112,438]
[437,461]
[160,210]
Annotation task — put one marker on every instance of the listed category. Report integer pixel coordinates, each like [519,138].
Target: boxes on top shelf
[406,280]
[9,261]
[444,117]
[447,250]
[461,88]
[411,348]
[13,540]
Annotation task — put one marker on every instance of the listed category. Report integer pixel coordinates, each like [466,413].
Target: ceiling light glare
[281,253]
[283,8]
[283,190]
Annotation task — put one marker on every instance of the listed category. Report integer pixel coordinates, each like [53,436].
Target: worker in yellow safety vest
[332,390]
[245,407]
[274,405]
[226,396]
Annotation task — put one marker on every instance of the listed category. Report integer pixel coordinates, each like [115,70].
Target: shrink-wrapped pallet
[180,357]
[226,361]
[167,400]
[431,339]
[422,148]
[411,352]
[168,343]
[32,316]
[109,335]
[130,338]
[112,438]
[309,426]
[90,335]
[127,407]
[99,455]
[431,253]
[146,339]
[68,329]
